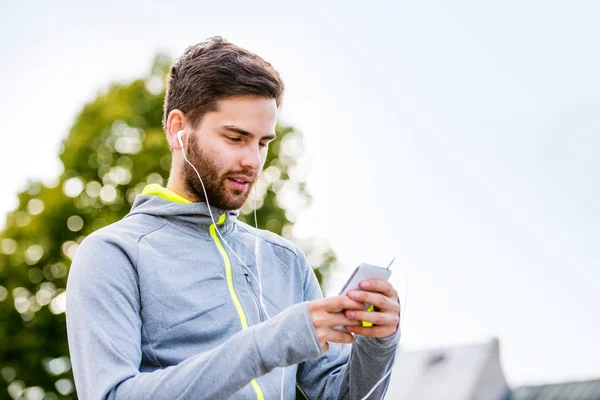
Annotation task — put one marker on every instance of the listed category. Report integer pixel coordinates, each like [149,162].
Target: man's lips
[240,182]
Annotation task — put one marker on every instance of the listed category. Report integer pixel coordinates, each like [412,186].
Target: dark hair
[213,70]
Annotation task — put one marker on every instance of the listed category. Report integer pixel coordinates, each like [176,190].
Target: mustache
[251,174]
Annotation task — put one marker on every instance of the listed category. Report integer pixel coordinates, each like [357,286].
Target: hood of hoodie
[158,201]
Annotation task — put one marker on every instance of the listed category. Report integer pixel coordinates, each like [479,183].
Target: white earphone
[179,139]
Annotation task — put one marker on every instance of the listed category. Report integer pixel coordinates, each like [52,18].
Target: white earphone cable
[259,280]
[212,217]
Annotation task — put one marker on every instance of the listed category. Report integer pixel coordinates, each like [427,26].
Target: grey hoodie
[159,308]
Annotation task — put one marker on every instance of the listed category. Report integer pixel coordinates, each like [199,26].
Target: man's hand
[386,317]
[326,315]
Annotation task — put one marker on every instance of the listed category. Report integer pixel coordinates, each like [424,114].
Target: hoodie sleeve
[346,371]
[105,332]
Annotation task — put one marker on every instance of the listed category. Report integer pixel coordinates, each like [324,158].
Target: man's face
[228,149]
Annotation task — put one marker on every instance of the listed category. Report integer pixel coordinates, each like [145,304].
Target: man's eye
[262,145]
[234,139]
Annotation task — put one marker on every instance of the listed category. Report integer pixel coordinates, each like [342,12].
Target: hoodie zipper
[261,314]
[232,292]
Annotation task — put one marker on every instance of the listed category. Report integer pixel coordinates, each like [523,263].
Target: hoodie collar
[157,190]
[158,201]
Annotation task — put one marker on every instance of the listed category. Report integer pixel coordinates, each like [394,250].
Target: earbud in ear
[179,139]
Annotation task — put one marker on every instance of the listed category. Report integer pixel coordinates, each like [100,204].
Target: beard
[218,191]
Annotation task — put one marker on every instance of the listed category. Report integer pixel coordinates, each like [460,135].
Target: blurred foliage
[115,147]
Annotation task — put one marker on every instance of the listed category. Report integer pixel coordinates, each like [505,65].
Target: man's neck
[177,187]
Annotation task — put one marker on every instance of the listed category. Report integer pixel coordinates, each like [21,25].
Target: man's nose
[252,158]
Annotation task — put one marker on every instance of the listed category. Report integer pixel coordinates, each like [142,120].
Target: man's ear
[175,124]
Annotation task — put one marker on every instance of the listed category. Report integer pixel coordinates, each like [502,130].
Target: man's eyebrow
[235,129]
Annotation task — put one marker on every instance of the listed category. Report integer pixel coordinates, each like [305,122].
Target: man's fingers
[341,302]
[334,336]
[379,286]
[331,320]
[376,318]
[372,331]
[377,299]
[340,319]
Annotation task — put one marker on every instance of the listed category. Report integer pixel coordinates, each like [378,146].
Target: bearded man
[180,300]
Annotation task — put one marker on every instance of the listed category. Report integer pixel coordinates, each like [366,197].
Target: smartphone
[364,272]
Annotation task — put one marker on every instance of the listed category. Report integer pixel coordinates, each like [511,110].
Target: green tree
[115,147]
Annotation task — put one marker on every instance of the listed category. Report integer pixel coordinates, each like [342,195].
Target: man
[169,302]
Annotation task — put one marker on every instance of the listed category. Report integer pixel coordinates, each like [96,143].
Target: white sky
[461,137]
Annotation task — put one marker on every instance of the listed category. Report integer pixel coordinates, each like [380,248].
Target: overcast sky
[461,137]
